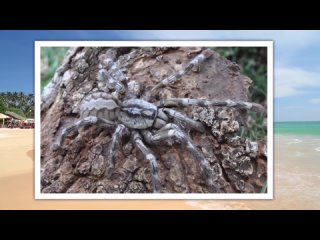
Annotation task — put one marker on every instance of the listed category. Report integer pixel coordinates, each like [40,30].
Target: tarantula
[147,122]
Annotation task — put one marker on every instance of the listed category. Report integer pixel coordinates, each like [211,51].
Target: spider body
[145,121]
[99,104]
[138,114]
[133,113]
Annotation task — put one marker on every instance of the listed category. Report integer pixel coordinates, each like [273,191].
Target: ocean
[299,136]
[297,128]
[297,166]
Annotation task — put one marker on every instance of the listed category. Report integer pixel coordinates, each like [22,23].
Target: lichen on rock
[83,165]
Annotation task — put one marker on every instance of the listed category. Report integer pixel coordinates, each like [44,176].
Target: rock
[83,163]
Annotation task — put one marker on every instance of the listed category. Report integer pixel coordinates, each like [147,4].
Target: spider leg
[182,117]
[161,120]
[120,131]
[114,69]
[177,75]
[91,120]
[113,75]
[172,130]
[114,84]
[137,139]
[185,102]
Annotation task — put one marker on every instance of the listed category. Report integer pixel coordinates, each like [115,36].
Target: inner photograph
[170,120]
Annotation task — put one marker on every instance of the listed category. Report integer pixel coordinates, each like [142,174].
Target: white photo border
[188,196]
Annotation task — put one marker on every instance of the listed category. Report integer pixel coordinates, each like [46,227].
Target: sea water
[302,135]
[298,128]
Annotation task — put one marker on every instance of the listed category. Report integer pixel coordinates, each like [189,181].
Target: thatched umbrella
[3,117]
[15,115]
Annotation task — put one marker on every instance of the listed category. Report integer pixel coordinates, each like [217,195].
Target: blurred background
[51,58]
[253,63]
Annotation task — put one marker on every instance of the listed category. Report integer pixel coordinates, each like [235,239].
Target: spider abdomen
[137,114]
[99,105]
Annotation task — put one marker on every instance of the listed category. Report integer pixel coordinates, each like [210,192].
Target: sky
[296,61]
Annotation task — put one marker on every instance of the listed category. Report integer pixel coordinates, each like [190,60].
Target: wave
[317,149]
[295,140]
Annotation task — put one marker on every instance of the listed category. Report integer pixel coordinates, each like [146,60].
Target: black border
[162,16]
[239,222]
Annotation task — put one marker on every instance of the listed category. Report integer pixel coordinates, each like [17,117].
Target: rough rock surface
[83,164]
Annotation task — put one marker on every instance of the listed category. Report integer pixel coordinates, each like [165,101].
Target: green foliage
[18,102]
[256,127]
[51,58]
[253,63]
[2,108]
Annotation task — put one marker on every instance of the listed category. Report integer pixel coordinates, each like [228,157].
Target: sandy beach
[296,180]
[17,180]
[15,144]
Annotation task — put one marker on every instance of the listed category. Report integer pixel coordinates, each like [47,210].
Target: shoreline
[317,136]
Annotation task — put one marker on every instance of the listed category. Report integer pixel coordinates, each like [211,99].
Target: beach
[17,180]
[296,179]
[16,148]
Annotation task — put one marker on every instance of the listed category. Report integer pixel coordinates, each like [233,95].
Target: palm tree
[9,98]
[30,105]
[14,99]
[2,98]
[22,101]
[30,99]
[2,107]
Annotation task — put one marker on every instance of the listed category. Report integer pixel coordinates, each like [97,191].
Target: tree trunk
[81,166]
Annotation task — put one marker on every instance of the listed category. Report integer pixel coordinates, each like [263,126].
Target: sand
[17,180]
[296,180]
[14,145]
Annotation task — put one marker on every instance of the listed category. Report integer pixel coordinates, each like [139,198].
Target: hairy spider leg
[114,84]
[161,120]
[114,70]
[137,139]
[198,126]
[185,102]
[115,76]
[173,131]
[120,131]
[177,75]
[87,121]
